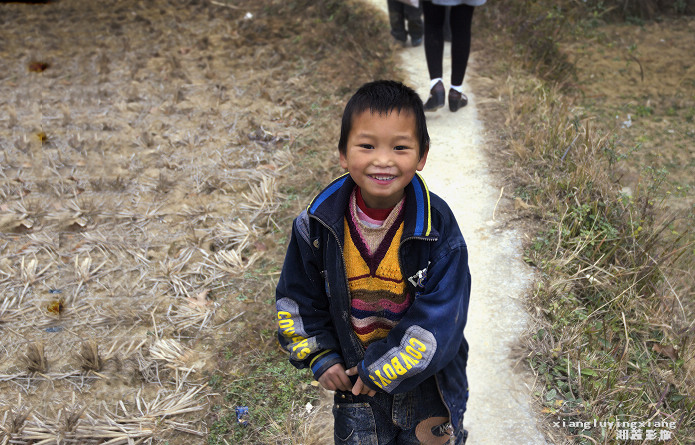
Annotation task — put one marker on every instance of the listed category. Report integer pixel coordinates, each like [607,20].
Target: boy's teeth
[383,178]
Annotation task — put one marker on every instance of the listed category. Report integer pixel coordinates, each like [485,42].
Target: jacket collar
[329,206]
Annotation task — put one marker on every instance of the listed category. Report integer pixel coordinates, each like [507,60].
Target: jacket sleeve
[430,334]
[305,329]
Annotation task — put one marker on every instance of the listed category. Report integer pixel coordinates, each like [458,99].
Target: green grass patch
[275,394]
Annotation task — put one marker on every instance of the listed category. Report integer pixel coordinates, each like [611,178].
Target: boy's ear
[343,160]
[423,159]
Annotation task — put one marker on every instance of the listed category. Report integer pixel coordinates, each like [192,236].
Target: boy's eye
[400,147]
[367,146]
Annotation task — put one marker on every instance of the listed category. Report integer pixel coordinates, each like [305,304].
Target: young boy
[373,295]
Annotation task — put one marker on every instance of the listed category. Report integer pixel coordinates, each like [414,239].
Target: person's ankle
[457,100]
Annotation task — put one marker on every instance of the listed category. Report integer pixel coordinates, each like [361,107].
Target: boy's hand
[360,388]
[336,379]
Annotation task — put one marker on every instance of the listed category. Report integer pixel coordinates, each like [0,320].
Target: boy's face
[382,156]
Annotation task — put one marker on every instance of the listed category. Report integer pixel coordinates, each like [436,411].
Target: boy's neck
[378,214]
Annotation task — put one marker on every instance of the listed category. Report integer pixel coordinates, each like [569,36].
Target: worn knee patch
[434,431]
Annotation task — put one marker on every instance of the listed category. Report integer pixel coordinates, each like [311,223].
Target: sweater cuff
[323,361]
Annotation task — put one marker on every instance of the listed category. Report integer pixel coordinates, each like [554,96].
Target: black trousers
[399,14]
[460,19]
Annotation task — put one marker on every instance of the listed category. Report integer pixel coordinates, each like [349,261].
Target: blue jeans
[387,419]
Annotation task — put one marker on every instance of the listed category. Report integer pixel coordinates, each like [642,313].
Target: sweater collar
[330,204]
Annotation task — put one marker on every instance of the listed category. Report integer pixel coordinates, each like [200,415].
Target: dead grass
[152,158]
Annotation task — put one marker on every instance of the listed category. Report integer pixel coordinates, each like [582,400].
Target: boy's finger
[346,384]
[360,388]
[352,371]
[357,388]
[327,384]
[338,383]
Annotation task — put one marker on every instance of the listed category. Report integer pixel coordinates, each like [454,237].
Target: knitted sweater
[377,288]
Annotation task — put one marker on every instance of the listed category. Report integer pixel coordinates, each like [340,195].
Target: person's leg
[434,38]
[447,25]
[361,420]
[422,416]
[397,20]
[460,438]
[434,51]
[461,19]
[415,24]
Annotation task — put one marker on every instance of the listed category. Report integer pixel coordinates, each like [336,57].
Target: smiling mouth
[382,177]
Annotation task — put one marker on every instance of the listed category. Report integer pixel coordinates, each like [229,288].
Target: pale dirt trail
[499,405]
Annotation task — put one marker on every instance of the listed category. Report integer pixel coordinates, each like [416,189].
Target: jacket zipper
[342,261]
[441,396]
[436,380]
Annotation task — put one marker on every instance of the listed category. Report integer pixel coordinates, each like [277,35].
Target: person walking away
[460,20]
[402,12]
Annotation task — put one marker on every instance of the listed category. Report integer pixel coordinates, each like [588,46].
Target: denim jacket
[313,298]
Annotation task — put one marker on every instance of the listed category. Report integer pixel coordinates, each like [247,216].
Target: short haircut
[383,97]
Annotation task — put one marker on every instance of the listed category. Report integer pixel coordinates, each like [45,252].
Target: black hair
[382,97]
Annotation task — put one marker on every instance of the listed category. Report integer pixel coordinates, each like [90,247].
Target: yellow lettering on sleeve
[384,381]
[301,344]
[408,360]
[400,370]
[390,373]
[415,342]
[303,353]
[413,352]
[375,382]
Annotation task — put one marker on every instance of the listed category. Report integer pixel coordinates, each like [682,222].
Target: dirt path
[498,410]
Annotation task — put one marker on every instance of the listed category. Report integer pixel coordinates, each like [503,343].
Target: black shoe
[436,99]
[416,41]
[457,100]
[401,42]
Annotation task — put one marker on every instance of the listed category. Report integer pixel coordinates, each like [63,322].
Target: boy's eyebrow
[397,136]
[405,136]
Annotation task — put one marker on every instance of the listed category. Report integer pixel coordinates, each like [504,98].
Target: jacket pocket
[354,424]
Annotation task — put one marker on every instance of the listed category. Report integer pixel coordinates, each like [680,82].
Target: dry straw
[174,355]
[234,234]
[120,426]
[89,356]
[34,360]
[263,197]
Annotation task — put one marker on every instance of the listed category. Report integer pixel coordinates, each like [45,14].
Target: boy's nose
[383,157]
